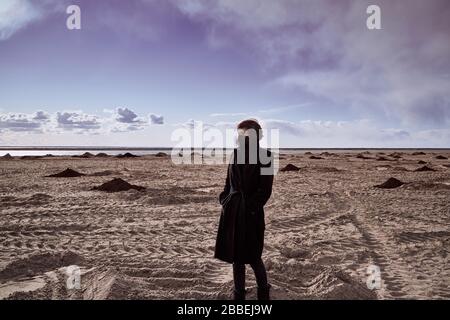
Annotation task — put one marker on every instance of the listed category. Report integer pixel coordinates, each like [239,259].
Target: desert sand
[325,224]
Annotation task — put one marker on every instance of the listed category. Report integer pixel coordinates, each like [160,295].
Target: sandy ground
[326,223]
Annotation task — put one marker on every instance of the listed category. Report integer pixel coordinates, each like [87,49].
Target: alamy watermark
[73,281]
[373,280]
[373,22]
[247,143]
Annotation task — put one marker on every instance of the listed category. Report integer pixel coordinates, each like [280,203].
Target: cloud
[282,125]
[123,120]
[18,14]
[323,51]
[156,119]
[41,116]
[125,115]
[119,120]
[77,121]
[20,122]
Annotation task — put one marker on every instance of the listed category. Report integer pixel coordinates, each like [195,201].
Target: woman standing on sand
[240,238]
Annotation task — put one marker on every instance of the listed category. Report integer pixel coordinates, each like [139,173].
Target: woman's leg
[239,281]
[261,279]
[260,273]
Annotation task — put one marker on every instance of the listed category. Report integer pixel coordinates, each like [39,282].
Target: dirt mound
[68,173]
[315,157]
[87,155]
[362,156]
[421,162]
[7,156]
[441,157]
[84,155]
[382,158]
[31,157]
[39,263]
[101,155]
[390,183]
[117,185]
[289,167]
[424,168]
[161,154]
[127,155]
[418,153]
[396,155]
[325,154]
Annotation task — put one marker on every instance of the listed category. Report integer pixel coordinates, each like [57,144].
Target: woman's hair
[249,124]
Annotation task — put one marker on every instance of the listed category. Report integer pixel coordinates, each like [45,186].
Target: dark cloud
[125,115]
[41,116]
[127,120]
[156,119]
[20,122]
[322,49]
[77,121]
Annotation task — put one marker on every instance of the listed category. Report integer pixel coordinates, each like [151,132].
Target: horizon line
[206,148]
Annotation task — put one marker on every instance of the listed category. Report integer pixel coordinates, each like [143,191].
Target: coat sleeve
[226,189]
[262,194]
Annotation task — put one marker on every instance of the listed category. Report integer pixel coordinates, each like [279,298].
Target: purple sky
[139,69]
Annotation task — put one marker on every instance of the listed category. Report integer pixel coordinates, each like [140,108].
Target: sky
[138,70]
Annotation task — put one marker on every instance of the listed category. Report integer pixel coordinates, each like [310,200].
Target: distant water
[74,152]
[61,151]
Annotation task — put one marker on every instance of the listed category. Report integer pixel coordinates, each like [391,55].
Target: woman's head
[248,127]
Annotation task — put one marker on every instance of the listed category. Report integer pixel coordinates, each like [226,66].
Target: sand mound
[315,157]
[390,183]
[68,173]
[101,155]
[424,168]
[421,162]
[441,157]
[308,153]
[289,167]
[396,155]
[39,263]
[127,155]
[117,185]
[161,154]
[87,155]
[362,156]
[84,155]
[7,156]
[418,153]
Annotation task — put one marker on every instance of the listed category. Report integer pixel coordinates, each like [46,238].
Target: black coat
[240,237]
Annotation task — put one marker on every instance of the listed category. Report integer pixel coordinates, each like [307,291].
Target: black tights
[239,275]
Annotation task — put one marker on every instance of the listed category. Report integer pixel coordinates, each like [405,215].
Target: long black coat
[240,237]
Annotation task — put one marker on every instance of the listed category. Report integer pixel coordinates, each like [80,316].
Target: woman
[240,238]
